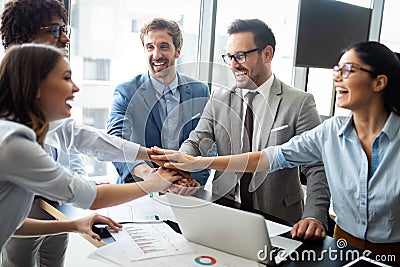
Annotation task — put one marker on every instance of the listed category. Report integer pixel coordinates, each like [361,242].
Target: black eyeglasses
[239,57]
[347,68]
[57,30]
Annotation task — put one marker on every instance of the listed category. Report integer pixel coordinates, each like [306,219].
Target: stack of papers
[150,240]
[156,244]
[180,253]
[202,256]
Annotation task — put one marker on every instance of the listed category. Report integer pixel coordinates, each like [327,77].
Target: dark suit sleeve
[201,139]
[116,121]
[318,194]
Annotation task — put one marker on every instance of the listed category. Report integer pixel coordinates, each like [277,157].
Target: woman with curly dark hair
[24,21]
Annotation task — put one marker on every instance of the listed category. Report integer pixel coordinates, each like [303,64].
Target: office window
[390,31]
[281,16]
[320,83]
[135,27]
[95,117]
[96,69]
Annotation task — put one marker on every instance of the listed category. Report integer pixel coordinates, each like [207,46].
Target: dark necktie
[245,196]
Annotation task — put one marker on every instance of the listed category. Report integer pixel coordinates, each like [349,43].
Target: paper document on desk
[144,241]
[146,208]
[202,256]
[275,229]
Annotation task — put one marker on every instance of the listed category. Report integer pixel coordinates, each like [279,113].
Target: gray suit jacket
[278,193]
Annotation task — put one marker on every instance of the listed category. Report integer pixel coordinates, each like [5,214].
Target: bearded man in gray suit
[279,112]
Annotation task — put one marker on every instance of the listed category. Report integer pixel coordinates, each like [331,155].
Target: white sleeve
[24,163]
[74,138]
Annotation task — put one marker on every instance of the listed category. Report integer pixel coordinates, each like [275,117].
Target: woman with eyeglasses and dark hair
[360,152]
[26,21]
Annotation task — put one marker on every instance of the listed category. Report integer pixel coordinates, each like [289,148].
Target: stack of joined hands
[167,159]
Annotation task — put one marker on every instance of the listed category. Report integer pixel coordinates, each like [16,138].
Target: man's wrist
[141,170]
[314,219]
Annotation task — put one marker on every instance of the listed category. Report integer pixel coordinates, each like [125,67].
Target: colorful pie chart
[205,260]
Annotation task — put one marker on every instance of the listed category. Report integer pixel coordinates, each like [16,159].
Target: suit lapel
[273,102]
[274,99]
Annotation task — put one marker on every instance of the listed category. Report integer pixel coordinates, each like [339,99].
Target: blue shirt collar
[347,128]
[391,127]
[159,87]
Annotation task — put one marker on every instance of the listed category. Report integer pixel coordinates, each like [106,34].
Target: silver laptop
[230,230]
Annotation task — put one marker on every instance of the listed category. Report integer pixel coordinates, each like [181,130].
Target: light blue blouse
[367,205]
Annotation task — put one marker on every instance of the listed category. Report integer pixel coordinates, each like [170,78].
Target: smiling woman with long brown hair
[35,89]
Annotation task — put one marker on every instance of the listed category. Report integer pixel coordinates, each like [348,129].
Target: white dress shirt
[260,108]
[74,138]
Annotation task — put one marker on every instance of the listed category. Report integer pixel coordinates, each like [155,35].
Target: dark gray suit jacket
[291,112]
